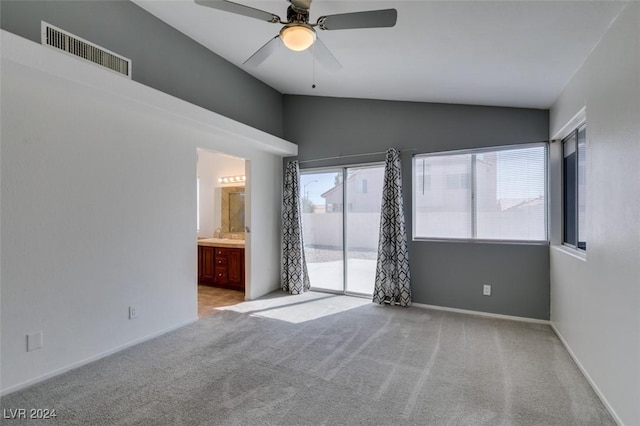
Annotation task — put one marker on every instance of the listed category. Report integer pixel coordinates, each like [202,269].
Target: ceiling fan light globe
[297,37]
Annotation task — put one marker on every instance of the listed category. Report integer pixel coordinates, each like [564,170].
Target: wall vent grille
[76,46]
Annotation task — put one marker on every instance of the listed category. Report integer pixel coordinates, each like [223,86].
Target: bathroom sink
[221,241]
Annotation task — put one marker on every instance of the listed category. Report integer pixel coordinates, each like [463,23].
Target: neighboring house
[364,187]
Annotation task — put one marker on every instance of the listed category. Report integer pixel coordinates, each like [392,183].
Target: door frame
[345,258]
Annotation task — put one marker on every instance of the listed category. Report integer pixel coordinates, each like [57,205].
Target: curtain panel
[295,278]
[392,283]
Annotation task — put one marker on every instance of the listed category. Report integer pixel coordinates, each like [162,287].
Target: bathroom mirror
[232,209]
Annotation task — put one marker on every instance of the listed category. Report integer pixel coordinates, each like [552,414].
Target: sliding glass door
[362,216]
[322,228]
[341,221]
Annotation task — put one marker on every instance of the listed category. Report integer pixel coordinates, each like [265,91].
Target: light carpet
[324,359]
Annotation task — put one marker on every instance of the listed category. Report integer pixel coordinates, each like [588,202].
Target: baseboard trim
[91,359]
[482,314]
[586,375]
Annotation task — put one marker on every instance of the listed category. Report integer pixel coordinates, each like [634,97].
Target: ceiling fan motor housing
[295,14]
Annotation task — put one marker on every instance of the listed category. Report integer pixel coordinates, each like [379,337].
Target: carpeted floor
[324,359]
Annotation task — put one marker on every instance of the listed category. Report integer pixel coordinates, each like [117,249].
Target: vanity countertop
[221,242]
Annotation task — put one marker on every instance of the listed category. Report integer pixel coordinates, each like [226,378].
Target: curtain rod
[335,157]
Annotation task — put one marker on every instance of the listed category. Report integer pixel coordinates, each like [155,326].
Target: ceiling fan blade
[264,52]
[323,55]
[368,19]
[239,9]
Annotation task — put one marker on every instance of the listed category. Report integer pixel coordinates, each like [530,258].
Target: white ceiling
[503,53]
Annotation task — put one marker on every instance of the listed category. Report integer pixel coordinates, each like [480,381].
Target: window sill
[478,241]
[578,254]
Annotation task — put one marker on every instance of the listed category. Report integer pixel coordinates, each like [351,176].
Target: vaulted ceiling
[502,53]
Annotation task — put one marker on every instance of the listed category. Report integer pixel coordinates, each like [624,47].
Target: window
[458,181]
[487,194]
[574,188]
[362,186]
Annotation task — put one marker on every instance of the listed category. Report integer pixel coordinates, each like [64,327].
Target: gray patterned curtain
[295,278]
[392,270]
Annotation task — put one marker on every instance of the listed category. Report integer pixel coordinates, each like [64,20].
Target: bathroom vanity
[221,262]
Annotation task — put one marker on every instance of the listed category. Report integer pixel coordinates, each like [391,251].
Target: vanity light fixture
[232,179]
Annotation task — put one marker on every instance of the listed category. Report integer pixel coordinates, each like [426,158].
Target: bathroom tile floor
[210,298]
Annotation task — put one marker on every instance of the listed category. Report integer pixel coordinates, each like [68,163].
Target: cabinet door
[236,267]
[199,264]
[208,265]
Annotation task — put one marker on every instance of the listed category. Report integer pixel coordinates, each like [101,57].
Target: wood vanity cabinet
[221,266]
[206,264]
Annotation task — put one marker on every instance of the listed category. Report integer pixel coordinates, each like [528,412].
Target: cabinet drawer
[221,275]
[221,261]
[221,252]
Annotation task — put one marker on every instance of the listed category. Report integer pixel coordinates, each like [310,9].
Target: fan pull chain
[313,67]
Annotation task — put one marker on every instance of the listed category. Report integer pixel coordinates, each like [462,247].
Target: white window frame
[473,190]
[582,251]
[343,168]
[578,120]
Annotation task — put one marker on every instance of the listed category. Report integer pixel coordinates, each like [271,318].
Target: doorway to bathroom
[220,184]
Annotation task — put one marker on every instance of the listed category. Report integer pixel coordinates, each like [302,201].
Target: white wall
[211,166]
[206,170]
[263,189]
[99,209]
[595,302]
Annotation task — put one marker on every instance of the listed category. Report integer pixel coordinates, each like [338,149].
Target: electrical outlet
[133,312]
[486,290]
[34,341]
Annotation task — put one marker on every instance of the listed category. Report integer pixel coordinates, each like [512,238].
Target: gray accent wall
[449,274]
[162,57]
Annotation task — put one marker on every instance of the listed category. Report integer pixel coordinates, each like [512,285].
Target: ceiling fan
[298,34]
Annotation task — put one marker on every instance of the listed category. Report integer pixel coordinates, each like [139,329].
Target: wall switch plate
[133,312]
[486,290]
[34,341]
